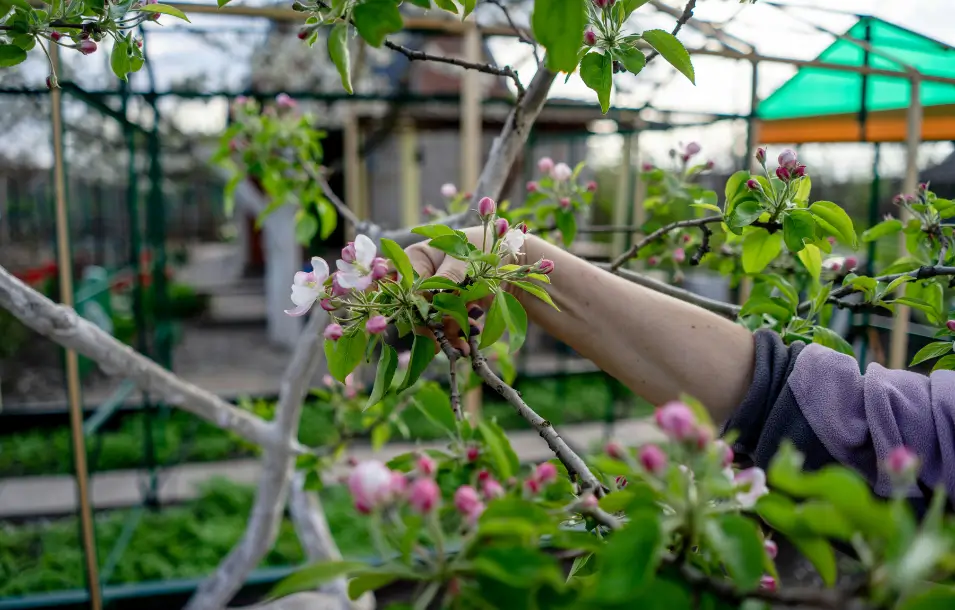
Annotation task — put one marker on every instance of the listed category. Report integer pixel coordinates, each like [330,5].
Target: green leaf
[345,354]
[505,459]
[119,59]
[798,225]
[596,70]
[920,304]
[811,258]
[736,184]
[803,188]
[831,339]
[455,245]
[24,4]
[438,283]
[387,365]
[784,287]
[11,55]
[327,217]
[372,579]
[936,597]
[631,5]
[468,8]
[535,290]
[629,561]
[306,226]
[394,252]
[375,19]
[422,353]
[380,435]
[759,249]
[757,305]
[672,50]
[632,59]
[518,566]
[743,214]
[820,554]
[339,54]
[559,26]
[945,364]
[738,544]
[516,320]
[433,231]
[453,306]
[834,220]
[932,350]
[707,206]
[884,228]
[447,5]
[567,224]
[496,322]
[434,403]
[222,3]
[164,9]
[314,575]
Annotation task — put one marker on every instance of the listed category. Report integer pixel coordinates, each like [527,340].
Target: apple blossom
[284,100]
[333,332]
[902,462]
[772,549]
[448,190]
[483,475]
[376,324]
[308,287]
[590,38]
[679,255]
[676,420]
[561,172]
[615,450]
[692,148]
[783,174]
[532,187]
[761,156]
[356,275]
[424,495]
[788,159]
[492,489]
[512,242]
[725,452]
[379,268]
[370,484]
[473,453]
[752,184]
[486,206]
[425,466]
[546,473]
[767,583]
[750,486]
[799,171]
[653,261]
[565,202]
[546,266]
[86,47]
[592,186]
[647,167]
[653,459]
[348,253]
[429,210]
[589,502]
[522,227]
[399,485]
[337,289]
[501,226]
[545,165]
[621,481]
[950,325]
[328,305]
[351,388]
[533,486]
[467,500]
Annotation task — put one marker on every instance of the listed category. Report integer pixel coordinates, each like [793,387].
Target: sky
[723,86]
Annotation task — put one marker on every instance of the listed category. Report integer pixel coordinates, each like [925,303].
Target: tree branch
[452,355]
[66,328]
[414,55]
[520,34]
[635,248]
[922,273]
[576,467]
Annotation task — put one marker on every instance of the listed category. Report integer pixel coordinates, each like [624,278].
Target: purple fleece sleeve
[860,418]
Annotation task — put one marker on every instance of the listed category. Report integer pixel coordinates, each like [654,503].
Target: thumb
[453,269]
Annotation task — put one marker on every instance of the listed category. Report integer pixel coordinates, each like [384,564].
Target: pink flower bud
[50,82]
[726,453]
[545,165]
[761,156]
[902,461]
[492,489]
[693,148]
[533,486]
[709,165]
[546,266]
[799,171]
[425,466]
[429,211]
[379,268]
[283,100]
[679,255]
[349,254]
[752,184]
[473,453]
[834,265]
[615,450]
[546,473]
[601,4]
[532,187]
[788,159]
[621,481]
[337,290]
[370,484]
[592,186]
[647,167]
[653,459]
[898,199]
[851,263]
[333,332]
[687,238]
[831,240]
[376,325]
[501,226]
[653,261]
[328,305]
[703,437]
[589,502]
[783,174]
[484,475]
[590,38]
[684,157]
[771,548]
[561,172]
[767,583]
[448,190]
[399,485]
[676,420]
[486,206]
[55,36]
[467,196]
[565,202]
[466,500]
[424,495]
[86,47]
[950,325]
[303,34]
[521,227]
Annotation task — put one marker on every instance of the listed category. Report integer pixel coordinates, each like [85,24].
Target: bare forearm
[656,345]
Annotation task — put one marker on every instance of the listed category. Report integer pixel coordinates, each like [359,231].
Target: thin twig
[704,245]
[520,33]
[414,55]
[575,466]
[687,14]
[319,179]
[452,355]
[922,273]
[635,248]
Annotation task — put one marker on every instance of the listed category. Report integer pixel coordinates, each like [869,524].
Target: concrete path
[56,495]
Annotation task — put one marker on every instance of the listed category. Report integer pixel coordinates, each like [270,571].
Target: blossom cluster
[557,184]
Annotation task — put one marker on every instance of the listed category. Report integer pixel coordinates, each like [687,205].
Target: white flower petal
[301,310]
[320,269]
[365,251]
[363,282]
[302,295]
[300,278]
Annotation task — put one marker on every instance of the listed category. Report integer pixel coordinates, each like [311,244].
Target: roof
[834,99]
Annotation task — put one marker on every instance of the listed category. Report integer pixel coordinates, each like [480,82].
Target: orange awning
[938,123]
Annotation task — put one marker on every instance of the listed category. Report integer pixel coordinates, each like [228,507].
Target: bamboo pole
[65,267]
[410,173]
[623,192]
[899,343]
[353,166]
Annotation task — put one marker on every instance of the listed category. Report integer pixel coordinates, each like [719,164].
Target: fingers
[421,260]
[452,331]
[453,269]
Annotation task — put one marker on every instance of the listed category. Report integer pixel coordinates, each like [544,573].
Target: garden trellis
[278,438]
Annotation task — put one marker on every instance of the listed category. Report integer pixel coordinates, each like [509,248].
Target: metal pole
[72,362]
[898,348]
